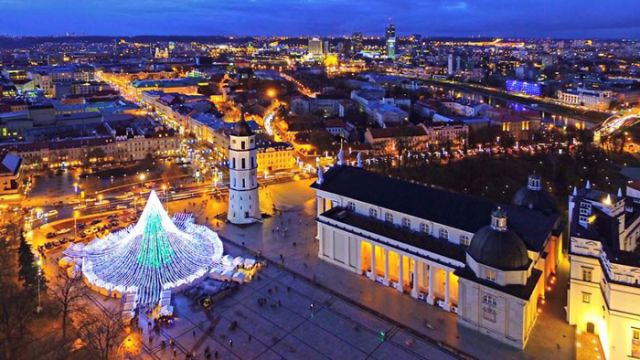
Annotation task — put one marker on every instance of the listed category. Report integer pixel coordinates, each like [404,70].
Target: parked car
[63,231]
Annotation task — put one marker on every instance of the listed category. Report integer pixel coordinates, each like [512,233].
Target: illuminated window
[635,343]
[489,304]
[490,274]
[586,297]
[388,217]
[587,274]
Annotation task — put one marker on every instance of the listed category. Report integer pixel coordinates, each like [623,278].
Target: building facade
[592,99]
[10,174]
[244,205]
[488,263]
[604,283]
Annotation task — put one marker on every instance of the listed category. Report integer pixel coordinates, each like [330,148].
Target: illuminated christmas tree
[158,253]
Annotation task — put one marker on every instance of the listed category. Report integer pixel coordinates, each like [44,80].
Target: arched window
[424,227]
[465,240]
[373,213]
[406,222]
[444,234]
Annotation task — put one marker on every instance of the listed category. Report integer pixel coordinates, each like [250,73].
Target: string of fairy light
[156,254]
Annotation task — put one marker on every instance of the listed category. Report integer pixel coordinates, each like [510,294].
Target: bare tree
[68,293]
[101,331]
[16,313]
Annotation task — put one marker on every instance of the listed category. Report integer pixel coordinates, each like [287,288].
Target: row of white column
[414,291]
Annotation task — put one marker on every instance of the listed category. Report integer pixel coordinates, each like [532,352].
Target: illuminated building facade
[244,206]
[523,87]
[486,262]
[604,284]
[315,46]
[390,37]
[590,98]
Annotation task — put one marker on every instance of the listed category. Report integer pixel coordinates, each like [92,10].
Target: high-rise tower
[390,37]
[244,207]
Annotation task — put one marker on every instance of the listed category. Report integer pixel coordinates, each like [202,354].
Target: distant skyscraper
[357,43]
[391,31]
[458,64]
[450,64]
[391,41]
[325,47]
[315,46]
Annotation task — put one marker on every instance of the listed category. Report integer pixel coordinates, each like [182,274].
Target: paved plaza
[291,233]
[349,311]
[287,326]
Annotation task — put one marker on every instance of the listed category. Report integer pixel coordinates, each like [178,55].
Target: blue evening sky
[518,18]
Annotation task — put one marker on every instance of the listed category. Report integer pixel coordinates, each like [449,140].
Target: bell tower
[244,205]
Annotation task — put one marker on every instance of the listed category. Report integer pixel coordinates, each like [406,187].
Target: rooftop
[457,210]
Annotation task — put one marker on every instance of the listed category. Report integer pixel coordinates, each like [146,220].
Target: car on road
[51,213]
[80,207]
[51,235]
[125,196]
[63,231]
[95,221]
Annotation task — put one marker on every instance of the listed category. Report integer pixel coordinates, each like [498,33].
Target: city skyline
[432,18]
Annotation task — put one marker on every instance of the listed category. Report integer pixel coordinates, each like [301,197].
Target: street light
[166,198]
[76,214]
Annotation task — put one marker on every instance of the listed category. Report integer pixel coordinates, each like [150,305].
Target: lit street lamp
[76,214]
[166,198]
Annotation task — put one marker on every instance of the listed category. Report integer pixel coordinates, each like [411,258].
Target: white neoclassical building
[604,286]
[244,205]
[488,263]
